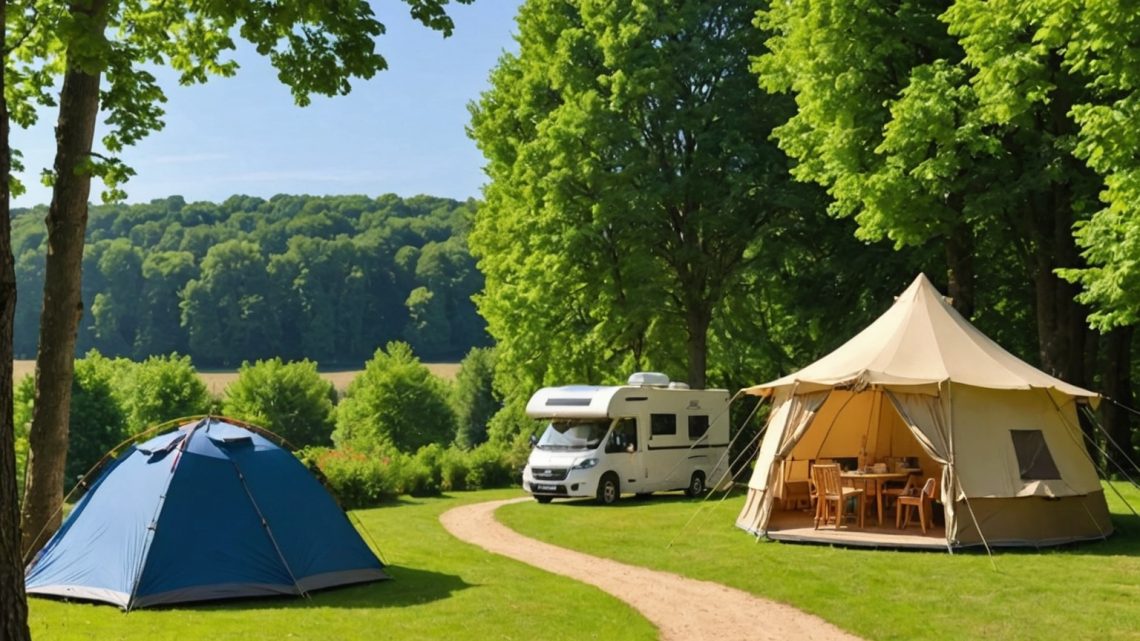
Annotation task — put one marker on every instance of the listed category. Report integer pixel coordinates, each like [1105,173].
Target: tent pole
[95,469]
[158,513]
[978,526]
[268,530]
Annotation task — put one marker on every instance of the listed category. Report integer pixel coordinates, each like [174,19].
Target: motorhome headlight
[585,463]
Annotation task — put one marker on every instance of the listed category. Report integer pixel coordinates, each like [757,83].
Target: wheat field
[217,381]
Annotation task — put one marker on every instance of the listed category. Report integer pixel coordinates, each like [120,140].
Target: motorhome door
[623,452]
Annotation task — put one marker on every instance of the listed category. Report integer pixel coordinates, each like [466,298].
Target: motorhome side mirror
[533,441]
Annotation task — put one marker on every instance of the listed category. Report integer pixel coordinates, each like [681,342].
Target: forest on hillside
[325,278]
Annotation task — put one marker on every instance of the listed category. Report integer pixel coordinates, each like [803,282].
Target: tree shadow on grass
[407,586]
[628,501]
[1125,540]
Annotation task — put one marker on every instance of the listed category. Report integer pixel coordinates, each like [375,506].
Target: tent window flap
[1034,461]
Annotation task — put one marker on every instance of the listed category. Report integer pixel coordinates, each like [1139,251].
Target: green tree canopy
[947,123]
[289,399]
[474,398]
[161,389]
[226,307]
[335,295]
[395,401]
[631,183]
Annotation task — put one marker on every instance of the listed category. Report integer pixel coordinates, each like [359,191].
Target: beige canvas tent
[921,382]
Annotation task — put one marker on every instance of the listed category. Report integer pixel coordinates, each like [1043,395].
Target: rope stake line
[728,470]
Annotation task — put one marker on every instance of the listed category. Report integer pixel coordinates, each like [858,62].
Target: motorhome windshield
[573,434]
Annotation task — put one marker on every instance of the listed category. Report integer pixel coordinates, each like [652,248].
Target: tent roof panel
[921,341]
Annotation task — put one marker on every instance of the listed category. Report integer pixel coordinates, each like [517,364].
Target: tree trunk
[1118,387]
[62,306]
[13,602]
[1063,334]
[698,317]
[960,269]
[1062,329]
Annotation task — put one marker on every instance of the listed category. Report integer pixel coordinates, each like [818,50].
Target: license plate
[539,487]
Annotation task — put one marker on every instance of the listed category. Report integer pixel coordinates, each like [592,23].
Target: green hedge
[359,479]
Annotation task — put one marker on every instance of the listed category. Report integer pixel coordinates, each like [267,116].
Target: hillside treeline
[324,278]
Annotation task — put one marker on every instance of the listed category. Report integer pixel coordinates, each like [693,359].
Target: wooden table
[875,478]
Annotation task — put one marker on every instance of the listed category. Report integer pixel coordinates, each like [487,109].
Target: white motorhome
[648,436]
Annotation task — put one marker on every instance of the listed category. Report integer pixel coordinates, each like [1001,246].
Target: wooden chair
[921,503]
[798,488]
[892,493]
[832,491]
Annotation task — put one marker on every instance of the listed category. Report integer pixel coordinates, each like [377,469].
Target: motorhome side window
[624,436]
[698,426]
[663,424]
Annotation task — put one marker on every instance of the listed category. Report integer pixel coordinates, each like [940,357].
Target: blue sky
[400,132]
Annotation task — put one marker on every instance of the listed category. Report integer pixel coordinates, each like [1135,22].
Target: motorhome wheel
[696,485]
[609,489]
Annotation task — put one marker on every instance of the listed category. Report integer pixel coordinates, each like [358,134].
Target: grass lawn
[442,589]
[1088,591]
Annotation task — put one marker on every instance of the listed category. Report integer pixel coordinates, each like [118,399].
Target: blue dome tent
[211,510]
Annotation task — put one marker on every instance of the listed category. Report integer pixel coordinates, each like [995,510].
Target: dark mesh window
[698,425]
[1033,458]
[663,424]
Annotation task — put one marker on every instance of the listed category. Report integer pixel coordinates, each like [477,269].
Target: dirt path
[682,609]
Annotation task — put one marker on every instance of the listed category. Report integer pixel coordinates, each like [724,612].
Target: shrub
[417,477]
[395,401]
[24,394]
[98,421]
[163,388]
[290,399]
[454,470]
[490,466]
[474,399]
[355,479]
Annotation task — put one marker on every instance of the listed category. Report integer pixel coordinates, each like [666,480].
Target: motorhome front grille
[549,473]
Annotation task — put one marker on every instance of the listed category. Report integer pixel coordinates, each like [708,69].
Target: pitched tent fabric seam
[159,504]
[209,511]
